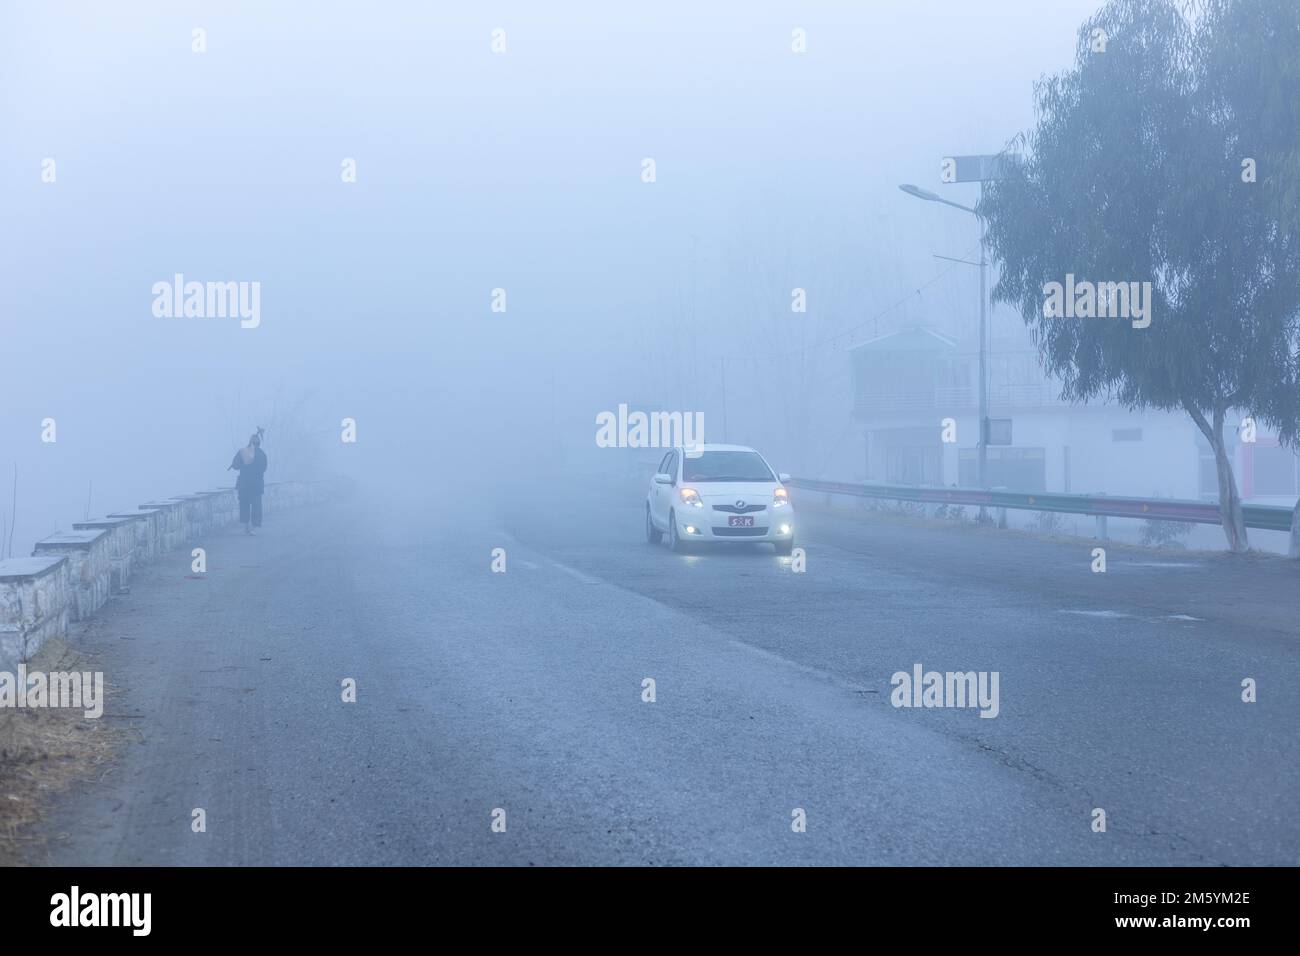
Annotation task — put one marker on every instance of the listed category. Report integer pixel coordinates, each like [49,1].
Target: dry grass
[43,752]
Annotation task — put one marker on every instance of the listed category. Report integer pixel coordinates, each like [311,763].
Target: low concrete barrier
[35,604]
[196,516]
[145,523]
[223,504]
[71,574]
[171,527]
[89,566]
[121,545]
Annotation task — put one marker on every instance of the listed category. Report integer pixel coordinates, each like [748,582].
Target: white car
[726,493]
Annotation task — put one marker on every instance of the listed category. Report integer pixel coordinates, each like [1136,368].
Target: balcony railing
[954,397]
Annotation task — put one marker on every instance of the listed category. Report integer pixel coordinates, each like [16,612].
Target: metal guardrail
[1264,517]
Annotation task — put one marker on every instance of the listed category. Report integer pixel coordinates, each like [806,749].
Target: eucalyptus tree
[1136,172]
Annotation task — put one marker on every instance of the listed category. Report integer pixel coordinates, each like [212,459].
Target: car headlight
[780,498]
[690,497]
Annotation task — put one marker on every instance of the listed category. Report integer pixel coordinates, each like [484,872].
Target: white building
[907,382]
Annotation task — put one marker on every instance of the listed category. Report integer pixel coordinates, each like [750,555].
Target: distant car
[718,493]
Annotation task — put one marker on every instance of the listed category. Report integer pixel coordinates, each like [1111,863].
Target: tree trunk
[1294,550]
[1234,522]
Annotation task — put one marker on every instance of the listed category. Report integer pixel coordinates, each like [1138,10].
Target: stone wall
[35,604]
[89,566]
[71,574]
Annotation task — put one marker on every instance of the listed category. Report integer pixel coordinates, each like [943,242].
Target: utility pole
[977,169]
[984,361]
[982,390]
[723,363]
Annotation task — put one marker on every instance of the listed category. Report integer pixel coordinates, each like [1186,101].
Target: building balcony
[957,398]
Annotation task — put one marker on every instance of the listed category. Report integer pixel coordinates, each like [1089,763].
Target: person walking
[250,462]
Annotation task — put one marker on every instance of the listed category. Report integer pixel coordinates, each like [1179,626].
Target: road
[523,691]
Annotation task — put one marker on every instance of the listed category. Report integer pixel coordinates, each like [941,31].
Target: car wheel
[652,534]
[784,547]
[675,541]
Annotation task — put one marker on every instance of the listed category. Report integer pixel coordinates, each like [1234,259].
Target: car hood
[729,492]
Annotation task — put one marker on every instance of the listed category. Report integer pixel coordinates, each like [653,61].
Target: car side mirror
[663,478]
[783,477]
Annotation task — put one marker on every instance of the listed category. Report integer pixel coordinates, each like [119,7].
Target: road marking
[584,578]
[1116,615]
[514,542]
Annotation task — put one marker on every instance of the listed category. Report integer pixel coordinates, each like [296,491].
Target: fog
[474,171]
[451,256]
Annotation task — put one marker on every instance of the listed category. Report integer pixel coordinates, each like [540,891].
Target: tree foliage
[1136,171]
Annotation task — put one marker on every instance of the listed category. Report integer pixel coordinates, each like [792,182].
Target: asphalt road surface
[523,692]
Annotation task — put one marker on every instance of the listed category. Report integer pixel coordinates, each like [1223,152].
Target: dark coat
[250,483]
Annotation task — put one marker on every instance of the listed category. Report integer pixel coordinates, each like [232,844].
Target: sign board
[975,169]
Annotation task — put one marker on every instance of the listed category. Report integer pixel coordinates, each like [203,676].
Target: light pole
[982,447]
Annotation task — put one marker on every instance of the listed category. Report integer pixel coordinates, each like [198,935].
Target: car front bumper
[709,525]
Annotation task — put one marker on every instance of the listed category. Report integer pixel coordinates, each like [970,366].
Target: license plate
[741,521]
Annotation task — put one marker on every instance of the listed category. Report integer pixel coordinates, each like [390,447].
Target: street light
[982,447]
[928,196]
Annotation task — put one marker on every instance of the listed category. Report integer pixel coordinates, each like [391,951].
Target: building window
[1209,474]
[1016,469]
[1126,434]
[1275,470]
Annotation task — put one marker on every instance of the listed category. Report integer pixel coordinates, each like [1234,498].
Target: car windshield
[725,466]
